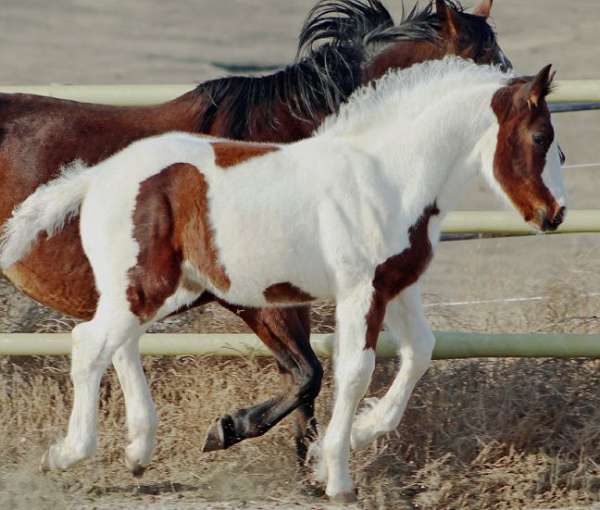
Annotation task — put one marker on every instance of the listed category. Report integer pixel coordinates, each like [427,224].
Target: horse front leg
[406,322]
[357,322]
[286,333]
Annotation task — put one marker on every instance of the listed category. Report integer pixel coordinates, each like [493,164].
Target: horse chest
[403,269]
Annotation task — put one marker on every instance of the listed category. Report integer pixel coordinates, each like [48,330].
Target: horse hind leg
[94,344]
[286,333]
[140,408]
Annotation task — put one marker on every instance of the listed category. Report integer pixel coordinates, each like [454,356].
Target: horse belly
[57,274]
[267,274]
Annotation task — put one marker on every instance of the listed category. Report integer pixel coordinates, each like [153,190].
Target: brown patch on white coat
[287,293]
[172,226]
[399,272]
[228,154]
[524,137]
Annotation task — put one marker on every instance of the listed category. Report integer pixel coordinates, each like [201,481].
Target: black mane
[313,87]
[362,23]
[333,46]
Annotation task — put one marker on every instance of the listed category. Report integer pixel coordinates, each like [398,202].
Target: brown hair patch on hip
[171,225]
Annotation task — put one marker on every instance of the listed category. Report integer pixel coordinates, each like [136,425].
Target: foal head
[527,161]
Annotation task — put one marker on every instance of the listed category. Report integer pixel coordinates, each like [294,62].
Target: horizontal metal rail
[449,345]
[567,91]
[508,222]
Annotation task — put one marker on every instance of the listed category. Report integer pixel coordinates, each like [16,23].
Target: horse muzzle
[550,224]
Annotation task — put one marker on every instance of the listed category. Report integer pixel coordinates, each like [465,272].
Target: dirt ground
[478,434]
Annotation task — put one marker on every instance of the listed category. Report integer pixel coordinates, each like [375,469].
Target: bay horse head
[526,166]
[422,34]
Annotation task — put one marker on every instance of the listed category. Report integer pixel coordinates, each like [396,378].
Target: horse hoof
[344,498]
[135,468]
[312,489]
[138,471]
[45,463]
[215,438]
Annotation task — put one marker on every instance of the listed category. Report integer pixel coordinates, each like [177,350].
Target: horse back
[39,135]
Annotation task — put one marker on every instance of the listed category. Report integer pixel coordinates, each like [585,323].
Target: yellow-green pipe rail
[143,95]
[449,345]
[581,221]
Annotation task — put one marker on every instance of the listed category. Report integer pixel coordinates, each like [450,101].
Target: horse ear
[447,16]
[537,89]
[484,8]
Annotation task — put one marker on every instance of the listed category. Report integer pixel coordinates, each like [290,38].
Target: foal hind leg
[141,412]
[405,320]
[285,332]
[94,344]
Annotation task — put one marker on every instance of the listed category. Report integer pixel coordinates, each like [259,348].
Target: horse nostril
[560,216]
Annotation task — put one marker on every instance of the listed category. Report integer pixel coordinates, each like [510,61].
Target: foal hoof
[344,498]
[45,463]
[220,435]
[135,468]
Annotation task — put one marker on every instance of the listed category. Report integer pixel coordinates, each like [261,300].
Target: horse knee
[310,382]
[94,345]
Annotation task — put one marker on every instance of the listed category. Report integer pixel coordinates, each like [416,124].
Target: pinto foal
[343,44]
[351,214]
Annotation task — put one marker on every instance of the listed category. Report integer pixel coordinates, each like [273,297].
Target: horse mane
[311,88]
[408,91]
[365,22]
[333,46]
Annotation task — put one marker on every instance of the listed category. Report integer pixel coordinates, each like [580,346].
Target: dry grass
[477,434]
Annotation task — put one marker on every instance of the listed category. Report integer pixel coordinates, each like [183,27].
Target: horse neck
[180,114]
[432,157]
[400,55]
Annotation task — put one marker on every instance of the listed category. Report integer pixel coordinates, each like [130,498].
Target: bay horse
[344,44]
[349,214]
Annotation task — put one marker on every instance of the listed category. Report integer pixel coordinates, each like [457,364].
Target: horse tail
[47,209]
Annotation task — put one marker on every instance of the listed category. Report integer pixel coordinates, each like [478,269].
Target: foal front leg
[406,322]
[354,365]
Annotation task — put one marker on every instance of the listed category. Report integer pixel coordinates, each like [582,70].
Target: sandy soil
[80,41]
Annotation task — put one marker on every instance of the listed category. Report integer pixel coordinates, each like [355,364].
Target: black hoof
[221,435]
[138,471]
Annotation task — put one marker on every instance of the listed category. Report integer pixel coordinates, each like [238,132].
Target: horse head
[422,34]
[526,166]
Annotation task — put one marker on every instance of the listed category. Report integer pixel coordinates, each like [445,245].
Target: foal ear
[484,8]
[447,16]
[537,89]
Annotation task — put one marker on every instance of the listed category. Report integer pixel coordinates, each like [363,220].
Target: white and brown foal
[352,214]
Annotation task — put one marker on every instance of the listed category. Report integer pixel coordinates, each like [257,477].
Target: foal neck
[430,138]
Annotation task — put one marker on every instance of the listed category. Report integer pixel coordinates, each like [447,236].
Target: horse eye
[539,139]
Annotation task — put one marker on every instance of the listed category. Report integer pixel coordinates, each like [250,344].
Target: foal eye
[539,139]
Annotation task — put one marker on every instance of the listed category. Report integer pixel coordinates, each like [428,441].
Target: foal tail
[47,209]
